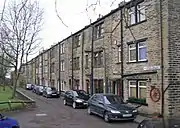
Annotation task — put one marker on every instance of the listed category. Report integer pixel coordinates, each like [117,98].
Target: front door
[87,87]
[100,105]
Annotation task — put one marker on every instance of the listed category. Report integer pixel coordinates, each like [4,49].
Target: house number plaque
[155,94]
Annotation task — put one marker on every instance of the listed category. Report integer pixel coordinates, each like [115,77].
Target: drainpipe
[122,63]
[35,71]
[59,67]
[92,62]
[72,57]
[105,71]
[82,62]
[50,68]
[162,59]
[42,69]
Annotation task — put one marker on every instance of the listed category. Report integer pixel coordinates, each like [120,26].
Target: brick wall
[173,75]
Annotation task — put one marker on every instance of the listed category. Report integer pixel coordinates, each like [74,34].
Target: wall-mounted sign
[150,68]
[155,94]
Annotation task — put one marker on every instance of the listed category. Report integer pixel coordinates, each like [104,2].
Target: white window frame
[62,65]
[46,69]
[134,48]
[131,86]
[132,12]
[119,54]
[140,9]
[139,52]
[62,48]
[141,87]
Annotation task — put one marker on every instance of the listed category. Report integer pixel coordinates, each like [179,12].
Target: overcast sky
[73,14]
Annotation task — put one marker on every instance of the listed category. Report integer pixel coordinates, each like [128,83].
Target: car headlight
[48,92]
[134,110]
[79,101]
[115,111]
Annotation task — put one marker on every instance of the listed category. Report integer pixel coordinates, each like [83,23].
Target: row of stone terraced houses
[135,50]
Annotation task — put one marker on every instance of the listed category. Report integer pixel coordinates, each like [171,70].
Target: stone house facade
[135,55]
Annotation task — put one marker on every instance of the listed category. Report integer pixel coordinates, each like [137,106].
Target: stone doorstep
[140,118]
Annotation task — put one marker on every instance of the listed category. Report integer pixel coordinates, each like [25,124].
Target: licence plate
[127,115]
[54,94]
[85,103]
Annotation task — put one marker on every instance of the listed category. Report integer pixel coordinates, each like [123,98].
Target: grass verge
[6,96]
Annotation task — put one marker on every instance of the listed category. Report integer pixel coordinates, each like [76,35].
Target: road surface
[52,113]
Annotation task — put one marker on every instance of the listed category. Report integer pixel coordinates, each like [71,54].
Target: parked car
[76,98]
[160,123]
[50,92]
[62,93]
[40,89]
[34,88]
[7,122]
[29,86]
[111,107]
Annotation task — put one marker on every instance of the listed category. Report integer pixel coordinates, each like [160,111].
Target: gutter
[122,66]
[82,62]
[60,68]
[92,62]
[72,57]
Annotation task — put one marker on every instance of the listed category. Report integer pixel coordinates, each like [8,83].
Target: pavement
[52,113]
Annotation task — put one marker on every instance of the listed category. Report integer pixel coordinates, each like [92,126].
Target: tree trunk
[15,84]
[4,86]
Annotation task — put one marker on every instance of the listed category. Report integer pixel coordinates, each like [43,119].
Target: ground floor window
[137,90]
[62,84]
[77,84]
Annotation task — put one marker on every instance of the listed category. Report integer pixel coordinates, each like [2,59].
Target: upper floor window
[86,61]
[70,64]
[45,56]
[46,69]
[62,65]
[76,41]
[52,67]
[99,30]
[52,52]
[62,47]
[119,54]
[98,59]
[137,13]
[138,52]
[76,62]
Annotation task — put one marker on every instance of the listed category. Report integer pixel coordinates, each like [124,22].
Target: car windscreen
[112,99]
[51,89]
[80,93]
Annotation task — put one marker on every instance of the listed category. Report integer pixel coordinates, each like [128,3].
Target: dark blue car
[7,122]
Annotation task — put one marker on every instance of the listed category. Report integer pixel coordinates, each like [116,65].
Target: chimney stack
[122,3]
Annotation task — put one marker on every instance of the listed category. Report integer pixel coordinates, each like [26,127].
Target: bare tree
[19,34]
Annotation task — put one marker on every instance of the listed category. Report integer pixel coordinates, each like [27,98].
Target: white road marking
[43,114]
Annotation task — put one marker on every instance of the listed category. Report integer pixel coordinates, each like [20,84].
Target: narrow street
[51,113]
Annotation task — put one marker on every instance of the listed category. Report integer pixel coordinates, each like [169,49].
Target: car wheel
[89,111]
[65,103]
[74,105]
[106,117]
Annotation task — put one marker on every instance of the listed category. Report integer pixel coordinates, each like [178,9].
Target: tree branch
[59,15]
